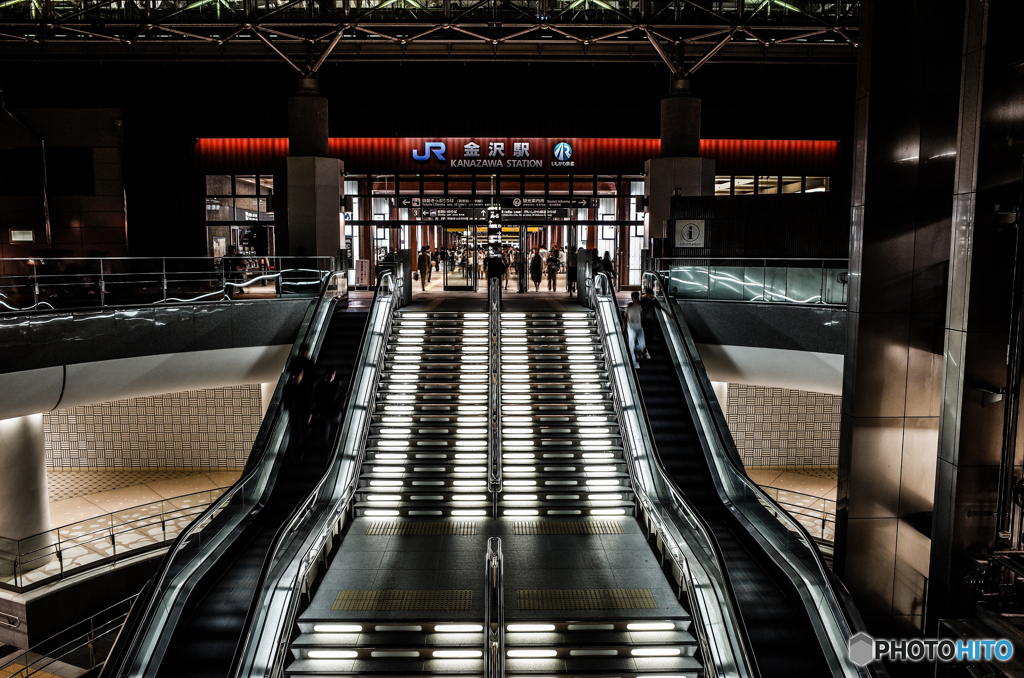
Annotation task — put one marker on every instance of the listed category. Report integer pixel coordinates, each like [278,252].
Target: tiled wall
[208,429]
[780,427]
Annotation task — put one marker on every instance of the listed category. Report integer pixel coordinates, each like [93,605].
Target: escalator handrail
[122,653]
[243,662]
[726,444]
[602,280]
[384,278]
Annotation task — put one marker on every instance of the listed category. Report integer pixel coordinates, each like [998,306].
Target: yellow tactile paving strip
[567,527]
[17,671]
[586,599]
[387,528]
[394,600]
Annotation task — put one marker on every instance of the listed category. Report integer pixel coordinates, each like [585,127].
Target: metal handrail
[24,560]
[647,484]
[494,479]
[179,568]
[280,594]
[41,655]
[48,286]
[716,432]
[494,610]
[289,526]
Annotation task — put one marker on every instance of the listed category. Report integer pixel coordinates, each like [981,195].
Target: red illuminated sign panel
[521,155]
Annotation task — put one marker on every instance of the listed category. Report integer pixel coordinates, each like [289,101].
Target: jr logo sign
[435,147]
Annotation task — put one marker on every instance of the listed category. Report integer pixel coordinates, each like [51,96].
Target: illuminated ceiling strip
[187,34]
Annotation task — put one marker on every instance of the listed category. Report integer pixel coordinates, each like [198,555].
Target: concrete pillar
[680,122]
[680,170]
[266,394]
[25,509]
[721,389]
[985,229]
[308,184]
[901,221]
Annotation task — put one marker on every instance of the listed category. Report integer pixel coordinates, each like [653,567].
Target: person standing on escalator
[635,330]
[649,317]
[297,398]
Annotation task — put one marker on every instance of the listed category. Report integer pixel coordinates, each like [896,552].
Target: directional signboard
[474,208]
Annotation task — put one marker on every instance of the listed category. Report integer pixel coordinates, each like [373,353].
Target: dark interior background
[167,106]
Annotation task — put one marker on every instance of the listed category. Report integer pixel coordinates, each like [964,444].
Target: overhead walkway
[494,501]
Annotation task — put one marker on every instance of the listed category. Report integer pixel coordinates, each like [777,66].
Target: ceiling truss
[306,34]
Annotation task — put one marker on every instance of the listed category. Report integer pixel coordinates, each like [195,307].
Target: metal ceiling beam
[409,30]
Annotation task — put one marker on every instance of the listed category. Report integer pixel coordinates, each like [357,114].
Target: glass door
[460,271]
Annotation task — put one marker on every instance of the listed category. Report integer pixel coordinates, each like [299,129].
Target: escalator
[781,635]
[204,641]
[192,618]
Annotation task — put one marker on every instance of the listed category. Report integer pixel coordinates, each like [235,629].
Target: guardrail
[686,540]
[29,563]
[816,514]
[41,283]
[83,645]
[494,610]
[789,281]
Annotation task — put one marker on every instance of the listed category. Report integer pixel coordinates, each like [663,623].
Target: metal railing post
[494,395]
[103,286]
[163,276]
[494,611]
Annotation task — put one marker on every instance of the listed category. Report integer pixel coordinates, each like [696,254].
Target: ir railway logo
[436,147]
[563,151]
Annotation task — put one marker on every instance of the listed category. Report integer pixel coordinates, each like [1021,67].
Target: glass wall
[769,185]
[238,214]
[803,281]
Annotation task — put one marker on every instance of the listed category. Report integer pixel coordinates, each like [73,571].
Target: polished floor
[81,496]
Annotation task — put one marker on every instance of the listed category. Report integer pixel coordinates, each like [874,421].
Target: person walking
[635,329]
[423,264]
[608,267]
[506,260]
[536,268]
[553,266]
[571,271]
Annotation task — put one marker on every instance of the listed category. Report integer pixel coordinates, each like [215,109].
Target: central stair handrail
[494,611]
[494,390]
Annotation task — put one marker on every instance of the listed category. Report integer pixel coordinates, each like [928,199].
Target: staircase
[563,471]
[386,649]
[561,451]
[426,455]
[638,648]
